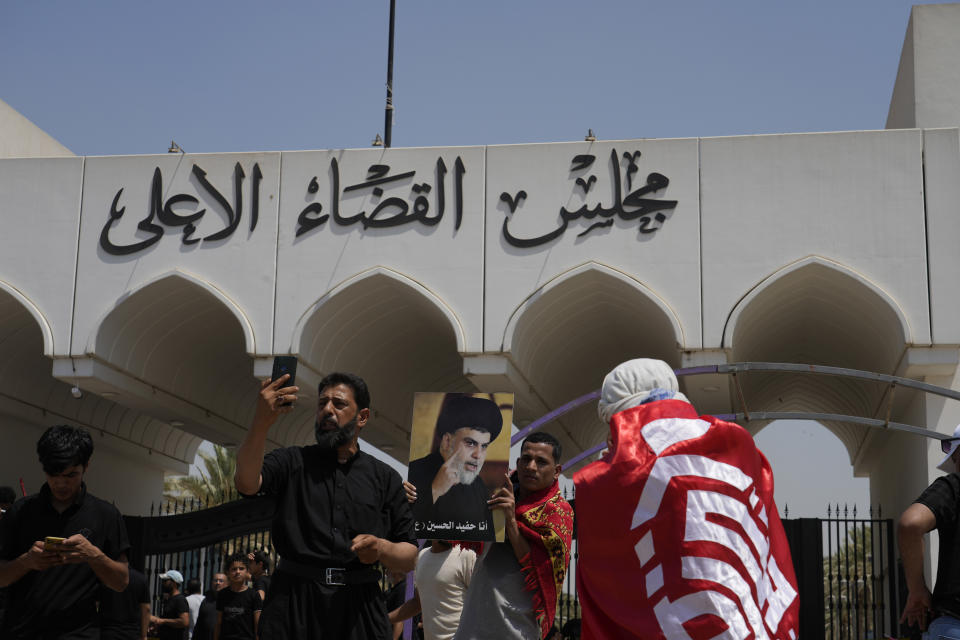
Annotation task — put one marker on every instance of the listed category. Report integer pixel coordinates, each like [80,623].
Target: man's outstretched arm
[274,399]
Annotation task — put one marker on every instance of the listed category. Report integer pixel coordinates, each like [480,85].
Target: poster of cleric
[459,450]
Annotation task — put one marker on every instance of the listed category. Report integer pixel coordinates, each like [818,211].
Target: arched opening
[393,333]
[181,355]
[31,400]
[567,336]
[790,446]
[818,312]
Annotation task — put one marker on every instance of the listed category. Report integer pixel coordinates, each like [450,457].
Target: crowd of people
[228,610]
[359,514]
[64,570]
[343,518]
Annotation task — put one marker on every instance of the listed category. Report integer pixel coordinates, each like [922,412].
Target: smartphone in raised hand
[285,365]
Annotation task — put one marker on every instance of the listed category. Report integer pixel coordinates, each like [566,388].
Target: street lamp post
[388,117]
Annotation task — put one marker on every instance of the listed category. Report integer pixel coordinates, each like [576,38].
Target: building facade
[161,287]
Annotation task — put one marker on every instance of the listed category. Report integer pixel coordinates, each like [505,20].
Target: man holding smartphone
[339,512]
[53,588]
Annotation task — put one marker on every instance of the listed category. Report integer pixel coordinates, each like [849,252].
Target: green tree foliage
[213,486]
[853,593]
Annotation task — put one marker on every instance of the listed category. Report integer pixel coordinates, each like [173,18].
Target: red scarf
[679,535]
[545,519]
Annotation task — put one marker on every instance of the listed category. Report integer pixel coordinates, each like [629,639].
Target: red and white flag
[678,533]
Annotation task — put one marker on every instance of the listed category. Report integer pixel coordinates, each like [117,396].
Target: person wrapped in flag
[678,532]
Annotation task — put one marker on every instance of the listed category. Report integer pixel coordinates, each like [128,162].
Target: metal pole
[388,117]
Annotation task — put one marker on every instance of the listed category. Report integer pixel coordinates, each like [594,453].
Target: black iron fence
[194,538]
[847,575]
[846,566]
[859,567]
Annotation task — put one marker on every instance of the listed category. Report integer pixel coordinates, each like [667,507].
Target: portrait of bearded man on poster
[451,491]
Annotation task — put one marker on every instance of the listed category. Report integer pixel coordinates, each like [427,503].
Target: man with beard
[173,623]
[339,512]
[448,484]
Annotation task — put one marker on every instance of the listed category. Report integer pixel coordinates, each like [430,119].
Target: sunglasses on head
[947,445]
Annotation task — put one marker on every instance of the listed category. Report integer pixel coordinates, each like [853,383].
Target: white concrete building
[162,286]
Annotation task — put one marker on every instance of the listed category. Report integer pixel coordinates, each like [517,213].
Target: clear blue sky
[111,77]
[117,77]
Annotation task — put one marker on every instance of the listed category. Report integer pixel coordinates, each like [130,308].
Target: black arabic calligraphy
[633,206]
[392,211]
[163,211]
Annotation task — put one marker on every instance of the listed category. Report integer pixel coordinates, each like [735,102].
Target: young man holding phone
[53,587]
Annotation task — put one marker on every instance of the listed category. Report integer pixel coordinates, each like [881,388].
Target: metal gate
[195,542]
[847,575]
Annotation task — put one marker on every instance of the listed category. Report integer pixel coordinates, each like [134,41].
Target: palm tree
[851,587]
[210,488]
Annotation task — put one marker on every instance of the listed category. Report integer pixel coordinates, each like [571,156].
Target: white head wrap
[635,382]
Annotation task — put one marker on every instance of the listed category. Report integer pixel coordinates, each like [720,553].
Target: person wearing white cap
[658,552]
[173,623]
[938,507]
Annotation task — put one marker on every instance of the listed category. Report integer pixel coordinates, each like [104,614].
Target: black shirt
[173,607]
[396,595]
[64,597]
[206,617]
[262,584]
[120,612]
[943,499]
[322,505]
[237,608]
[461,513]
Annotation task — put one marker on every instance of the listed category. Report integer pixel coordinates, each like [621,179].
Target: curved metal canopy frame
[745,415]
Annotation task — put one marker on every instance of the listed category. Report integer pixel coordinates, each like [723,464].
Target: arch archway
[177,349]
[572,331]
[396,334]
[127,442]
[818,311]
[28,305]
[789,446]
